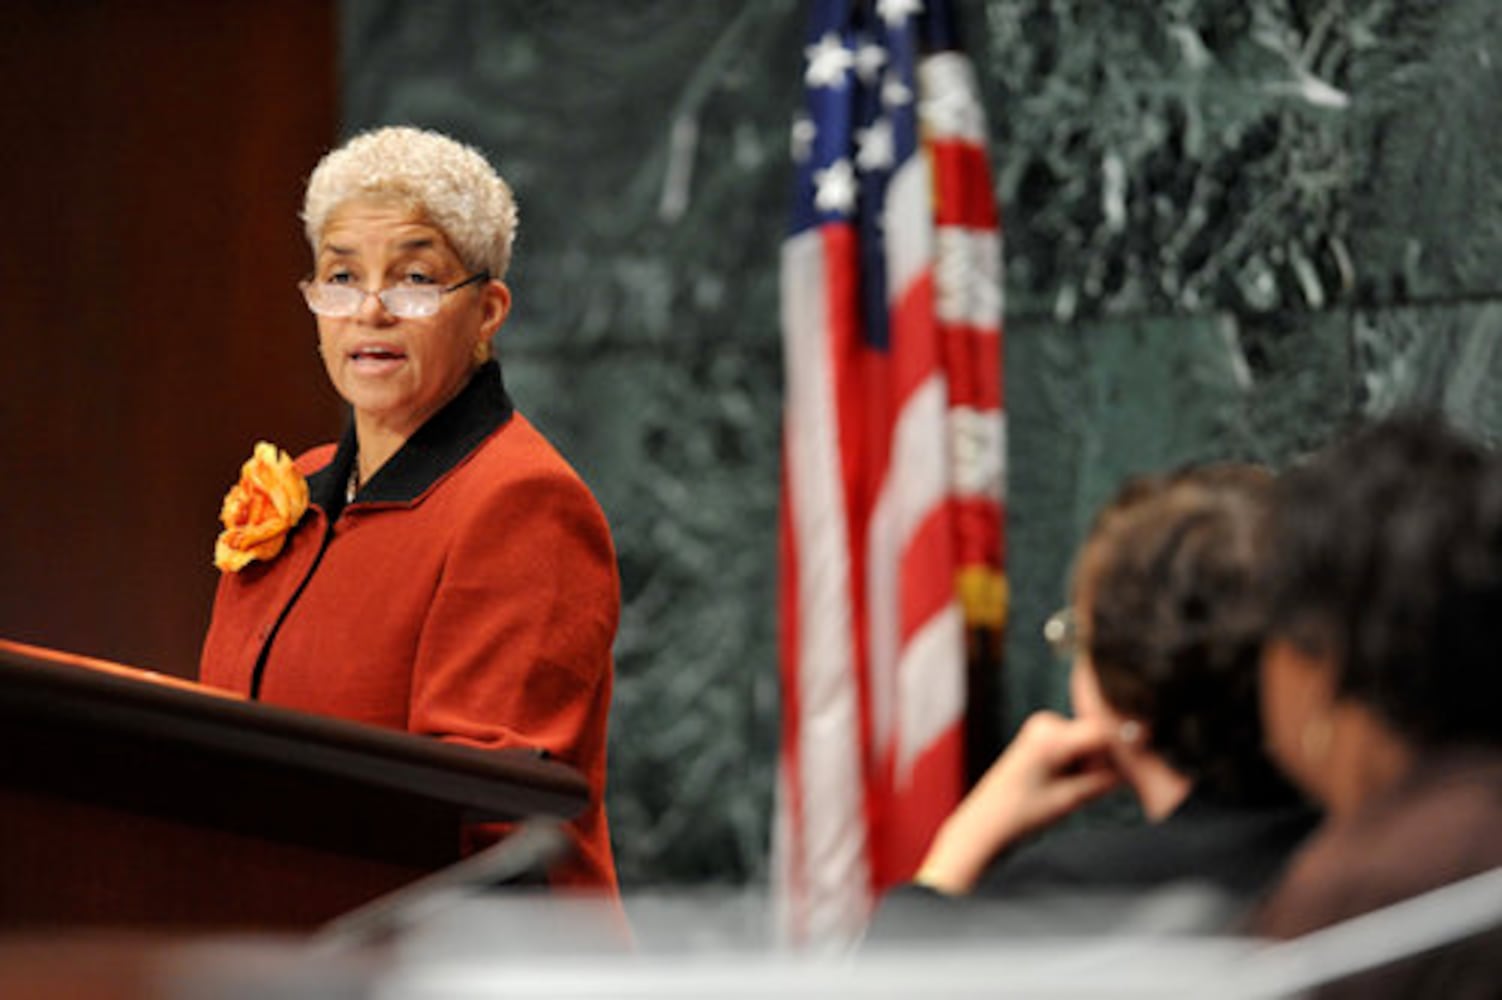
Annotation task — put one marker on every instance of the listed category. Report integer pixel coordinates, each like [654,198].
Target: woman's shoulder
[517,469]
[516,477]
[1441,824]
[519,451]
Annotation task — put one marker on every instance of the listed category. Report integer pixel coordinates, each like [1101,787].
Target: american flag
[893,445]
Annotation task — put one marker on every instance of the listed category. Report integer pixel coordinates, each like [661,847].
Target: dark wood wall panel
[153,157]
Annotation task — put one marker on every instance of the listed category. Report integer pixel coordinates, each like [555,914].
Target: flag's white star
[895,93]
[803,134]
[877,150]
[869,60]
[828,62]
[835,188]
[895,11]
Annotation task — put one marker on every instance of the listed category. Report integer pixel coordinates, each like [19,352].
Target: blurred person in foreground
[441,569]
[1163,635]
[1382,686]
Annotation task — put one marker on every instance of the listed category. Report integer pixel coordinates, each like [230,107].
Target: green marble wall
[1231,228]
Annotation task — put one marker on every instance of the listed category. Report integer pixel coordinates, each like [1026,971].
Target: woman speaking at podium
[441,569]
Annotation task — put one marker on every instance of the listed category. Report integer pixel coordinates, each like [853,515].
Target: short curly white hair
[448,182]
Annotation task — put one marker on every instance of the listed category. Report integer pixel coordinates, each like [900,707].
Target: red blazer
[468,592]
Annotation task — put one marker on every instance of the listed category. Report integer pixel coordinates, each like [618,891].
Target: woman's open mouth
[377,357]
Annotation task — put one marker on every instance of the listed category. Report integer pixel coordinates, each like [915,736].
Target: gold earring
[482,351]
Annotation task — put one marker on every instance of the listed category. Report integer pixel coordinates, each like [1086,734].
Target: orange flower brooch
[260,509]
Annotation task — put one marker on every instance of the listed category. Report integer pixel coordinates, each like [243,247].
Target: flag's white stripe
[978,442]
[950,107]
[907,218]
[931,686]
[918,472]
[916,482]
[883,550]
[833,871]
[967,277]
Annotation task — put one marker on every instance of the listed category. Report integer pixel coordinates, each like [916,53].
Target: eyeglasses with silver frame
[404,301]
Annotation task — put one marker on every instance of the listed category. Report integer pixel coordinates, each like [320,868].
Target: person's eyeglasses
[406,301]
[1062,634]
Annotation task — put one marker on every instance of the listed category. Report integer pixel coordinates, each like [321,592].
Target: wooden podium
[132,798]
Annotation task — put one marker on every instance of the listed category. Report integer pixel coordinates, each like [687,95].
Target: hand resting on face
[1054,766]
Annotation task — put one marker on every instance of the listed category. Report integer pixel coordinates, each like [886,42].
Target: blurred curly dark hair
[1169,580]
[1389,560]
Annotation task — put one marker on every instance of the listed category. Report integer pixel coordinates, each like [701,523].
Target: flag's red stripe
[973,360]
[936,784]
[845,345]
[916,344]
[927,570]
[979,533]
[962,183]
[878,412]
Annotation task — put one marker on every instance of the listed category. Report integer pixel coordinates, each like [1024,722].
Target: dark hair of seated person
[1173,567]
[1390,561]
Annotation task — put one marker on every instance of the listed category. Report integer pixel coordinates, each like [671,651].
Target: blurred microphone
[524,855]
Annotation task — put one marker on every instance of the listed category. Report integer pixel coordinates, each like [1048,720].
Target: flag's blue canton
[859,126]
